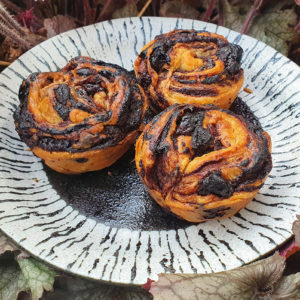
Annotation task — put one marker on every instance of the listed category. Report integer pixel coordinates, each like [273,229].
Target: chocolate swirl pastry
[190,67]
[202,162]
[81,118]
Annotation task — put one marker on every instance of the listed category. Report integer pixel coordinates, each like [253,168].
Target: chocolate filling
[215,212]
[195,92]
[231,54]
[62,95]
[215,184]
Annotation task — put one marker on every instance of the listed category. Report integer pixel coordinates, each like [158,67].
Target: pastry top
[88,104]
[201,158]
[189,66]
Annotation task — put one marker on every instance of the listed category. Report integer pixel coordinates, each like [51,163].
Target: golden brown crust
[81,118]
[202,162]
[190,67]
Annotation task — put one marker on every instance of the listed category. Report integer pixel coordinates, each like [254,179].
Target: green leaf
[288,287]
[38,276]
[234,16]
[274,25]
[67,287]
[12,281]
[260,280]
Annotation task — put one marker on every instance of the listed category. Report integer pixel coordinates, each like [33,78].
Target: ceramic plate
[103,225]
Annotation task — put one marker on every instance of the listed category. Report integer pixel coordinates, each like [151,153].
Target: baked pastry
[190,67]
[81,118]
[202,162]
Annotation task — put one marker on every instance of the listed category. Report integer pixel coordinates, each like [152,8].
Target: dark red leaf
[26,17]
[290,250]
[296,230]
[147,285]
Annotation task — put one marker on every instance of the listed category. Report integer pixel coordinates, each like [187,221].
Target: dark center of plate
[114,196]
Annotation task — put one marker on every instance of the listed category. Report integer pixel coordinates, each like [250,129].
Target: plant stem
[87,11]
[144,8]
[12,7]
[14,36]
[221,13]
[8,20]
[105,7]
[253,11]
[4,63]
[209,11]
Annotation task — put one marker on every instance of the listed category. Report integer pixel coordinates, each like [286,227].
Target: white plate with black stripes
[105,226]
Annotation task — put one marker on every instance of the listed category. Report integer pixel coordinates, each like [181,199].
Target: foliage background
[274,22]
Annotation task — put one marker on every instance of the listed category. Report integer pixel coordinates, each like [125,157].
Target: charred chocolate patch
[201,140]
[84,72]
[261,164]
[143,54]
[184,80]
[82,160]
[160,146]
[215,184]
[232,55]
[107,74]
[92,89]
[33,76]
[195,92]
[51,143]
[209,64]
[215,212]
[191,124]
[211,79]
[62,95]
[187,124]
[245,163]
[24,91]
[130,116]
[239,107]
[144,80]
[159,56]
